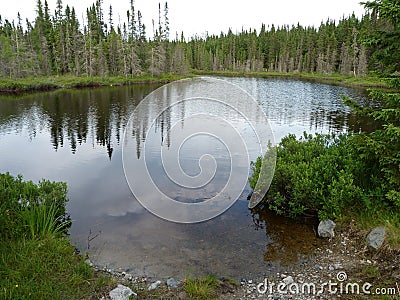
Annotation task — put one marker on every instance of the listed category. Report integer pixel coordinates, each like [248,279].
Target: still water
[76,136]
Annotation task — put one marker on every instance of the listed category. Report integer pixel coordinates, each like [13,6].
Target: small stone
[338,266]
[154,285]
[288,280]
[89,262]
[121,293]
[173,283]
[250,281]
[376,237]
[331,268]
[326,229]
[318,267]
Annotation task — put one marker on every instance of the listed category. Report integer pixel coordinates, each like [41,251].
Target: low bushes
[313,175]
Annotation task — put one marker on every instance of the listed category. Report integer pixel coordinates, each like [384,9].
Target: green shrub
[312,175]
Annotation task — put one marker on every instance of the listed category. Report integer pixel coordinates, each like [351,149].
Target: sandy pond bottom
[224,246]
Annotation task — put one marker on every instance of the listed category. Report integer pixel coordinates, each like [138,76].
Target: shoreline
[16,87]
[344,255]
[332,79]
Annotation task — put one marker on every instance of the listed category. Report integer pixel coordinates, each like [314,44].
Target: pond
[76,136]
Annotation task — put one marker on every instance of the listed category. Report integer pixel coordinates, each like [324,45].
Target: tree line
[58,44]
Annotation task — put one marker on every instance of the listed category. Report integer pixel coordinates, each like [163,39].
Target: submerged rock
[326,229]
[376,237]
[121,293]
[173,283]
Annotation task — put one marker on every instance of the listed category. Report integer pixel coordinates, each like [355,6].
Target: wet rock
[121,293]
[154,285]
[173,283]
[376,237]
[326,229]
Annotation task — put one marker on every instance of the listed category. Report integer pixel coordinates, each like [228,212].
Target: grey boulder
[121,293]
[326,229]
[173,283]
[376,237]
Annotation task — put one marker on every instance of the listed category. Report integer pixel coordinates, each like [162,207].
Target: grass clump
[45,268]
[202,288]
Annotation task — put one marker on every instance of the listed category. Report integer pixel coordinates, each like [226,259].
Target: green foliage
[312,175]
[384,43]
[28,208]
